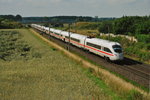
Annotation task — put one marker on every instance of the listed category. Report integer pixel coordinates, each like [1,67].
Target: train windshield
[117,48]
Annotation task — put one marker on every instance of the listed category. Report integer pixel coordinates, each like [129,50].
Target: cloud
[120,1]
[75,7]
[6,1]
[46,1]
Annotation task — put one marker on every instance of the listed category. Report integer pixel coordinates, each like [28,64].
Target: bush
[134,95]
[136,52]
[87,25]
[8,24]
[143,38]
[13,47]
[36,55]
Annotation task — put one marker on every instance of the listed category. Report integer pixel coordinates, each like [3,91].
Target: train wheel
[107,59]
[64,40]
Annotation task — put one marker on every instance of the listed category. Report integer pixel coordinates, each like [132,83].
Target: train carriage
[65,35]
[78,40]
[107,49]
[46,30]
[104,48]
[56,33]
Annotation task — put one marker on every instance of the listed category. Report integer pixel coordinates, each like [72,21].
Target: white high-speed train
[107,49]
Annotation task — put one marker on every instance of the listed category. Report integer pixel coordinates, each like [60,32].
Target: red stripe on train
[83,45]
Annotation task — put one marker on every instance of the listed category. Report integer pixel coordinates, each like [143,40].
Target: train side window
[97,46]
[56,33]
[93,45]
[77,40]
[107,50]
[67,37]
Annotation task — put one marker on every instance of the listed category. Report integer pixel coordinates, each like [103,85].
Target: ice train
[104,48]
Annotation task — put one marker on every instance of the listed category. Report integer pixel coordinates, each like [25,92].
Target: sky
[100,8]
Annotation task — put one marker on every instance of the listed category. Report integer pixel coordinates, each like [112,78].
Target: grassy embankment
[32,70]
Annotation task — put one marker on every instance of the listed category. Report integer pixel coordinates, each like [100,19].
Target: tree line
[10,21]
[127,25]
[64,19]
[12,17]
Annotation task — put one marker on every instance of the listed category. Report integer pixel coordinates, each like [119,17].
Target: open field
[45,73]
[48,76]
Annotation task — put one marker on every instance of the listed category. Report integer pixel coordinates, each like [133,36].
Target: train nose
[119,56]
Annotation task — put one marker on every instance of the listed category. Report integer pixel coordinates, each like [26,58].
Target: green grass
[14,48]
[49,74]
[52,76]
[102,85]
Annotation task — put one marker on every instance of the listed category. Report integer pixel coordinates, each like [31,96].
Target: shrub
[143,38]
[36,55]
[134,95]
[87,25]
[12,47]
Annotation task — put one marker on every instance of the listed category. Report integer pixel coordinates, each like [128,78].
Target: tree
[106,27]
[18,18]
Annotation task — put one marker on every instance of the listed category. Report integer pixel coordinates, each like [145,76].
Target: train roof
[101,42]
[78,36]
[57,31]
[46,28]
[36,25]
[65,33]
[52,29]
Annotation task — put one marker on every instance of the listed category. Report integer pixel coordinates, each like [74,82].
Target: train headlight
[116,55]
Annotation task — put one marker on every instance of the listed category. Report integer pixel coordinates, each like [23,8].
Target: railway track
[136,71]
[130,69]
[142,70]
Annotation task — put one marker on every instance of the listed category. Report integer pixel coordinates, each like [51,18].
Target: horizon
[85,16]
[100,8]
